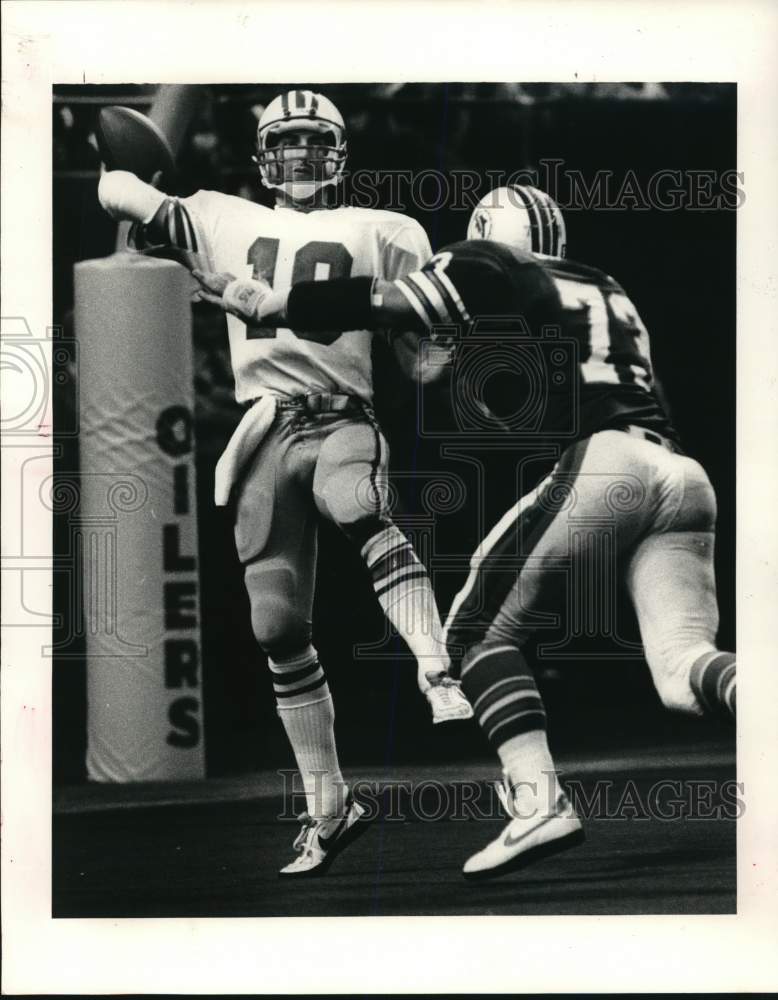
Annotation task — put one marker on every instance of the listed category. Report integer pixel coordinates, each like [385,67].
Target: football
[128,140]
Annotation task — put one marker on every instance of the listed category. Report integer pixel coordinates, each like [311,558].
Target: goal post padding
[137,520]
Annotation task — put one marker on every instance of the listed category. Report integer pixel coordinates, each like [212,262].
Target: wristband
[336,305]
[244,297]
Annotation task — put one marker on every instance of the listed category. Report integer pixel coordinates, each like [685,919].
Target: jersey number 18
[314,261]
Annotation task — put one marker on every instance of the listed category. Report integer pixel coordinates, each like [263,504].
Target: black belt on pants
[321,402]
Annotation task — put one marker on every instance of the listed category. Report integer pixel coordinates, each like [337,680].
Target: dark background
[677,266]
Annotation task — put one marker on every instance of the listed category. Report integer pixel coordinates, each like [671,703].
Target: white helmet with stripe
[301,111]
[524,217]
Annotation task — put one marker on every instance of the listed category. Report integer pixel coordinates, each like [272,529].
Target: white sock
[405,594]
[306,710]
[529,766]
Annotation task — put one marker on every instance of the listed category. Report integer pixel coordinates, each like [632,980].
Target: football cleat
[446,698]
[526,839]
[320,841]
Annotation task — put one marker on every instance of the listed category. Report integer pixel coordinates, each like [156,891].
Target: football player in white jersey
[309,443]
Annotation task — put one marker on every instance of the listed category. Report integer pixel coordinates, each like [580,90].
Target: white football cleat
[321,840]
[526,839]
[446,698]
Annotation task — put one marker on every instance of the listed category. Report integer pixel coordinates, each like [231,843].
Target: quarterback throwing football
[309,444]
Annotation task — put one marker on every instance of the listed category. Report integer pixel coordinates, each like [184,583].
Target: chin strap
[299,190]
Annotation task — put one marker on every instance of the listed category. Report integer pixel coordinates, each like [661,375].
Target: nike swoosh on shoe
[326,842]
[512,841]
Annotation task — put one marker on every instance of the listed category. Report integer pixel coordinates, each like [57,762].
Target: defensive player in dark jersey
[621,476]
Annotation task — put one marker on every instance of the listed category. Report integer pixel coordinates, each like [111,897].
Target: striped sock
[405,594]
[714,682]
[501,688]
[306,710]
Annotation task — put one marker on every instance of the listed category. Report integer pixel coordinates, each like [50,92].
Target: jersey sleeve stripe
[180,227]
[427,288]
[190,231]
[170,224]
[449,284]
[175,228]
[415,301]
[445,286]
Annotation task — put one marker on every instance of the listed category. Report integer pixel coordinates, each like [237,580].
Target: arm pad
[330,307]
[125,196]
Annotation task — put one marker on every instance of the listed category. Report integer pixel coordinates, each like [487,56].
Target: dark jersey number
[618,342]
[314,261]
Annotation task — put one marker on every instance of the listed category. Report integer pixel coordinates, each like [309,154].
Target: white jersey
[283,247]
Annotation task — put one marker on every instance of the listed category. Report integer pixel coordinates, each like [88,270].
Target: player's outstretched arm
[322,309]
[348,304]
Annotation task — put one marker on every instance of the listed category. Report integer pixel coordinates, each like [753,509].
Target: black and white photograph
[376,498]
[368,580]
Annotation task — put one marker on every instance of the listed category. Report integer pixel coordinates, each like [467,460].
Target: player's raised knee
[278,626]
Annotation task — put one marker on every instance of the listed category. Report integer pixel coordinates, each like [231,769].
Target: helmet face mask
[301,145]
[523,217]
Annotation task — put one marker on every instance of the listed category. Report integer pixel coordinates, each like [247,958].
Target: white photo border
[215,41]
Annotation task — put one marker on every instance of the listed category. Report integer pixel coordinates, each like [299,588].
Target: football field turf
[214,848]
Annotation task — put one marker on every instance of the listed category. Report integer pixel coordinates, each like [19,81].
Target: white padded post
[137,521]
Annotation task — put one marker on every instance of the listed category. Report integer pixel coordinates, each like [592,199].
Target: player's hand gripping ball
[128,140]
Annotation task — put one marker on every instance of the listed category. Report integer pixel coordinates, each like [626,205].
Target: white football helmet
[521,216]
[300,111]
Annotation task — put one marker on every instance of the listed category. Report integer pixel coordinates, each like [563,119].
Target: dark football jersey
[563,351]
